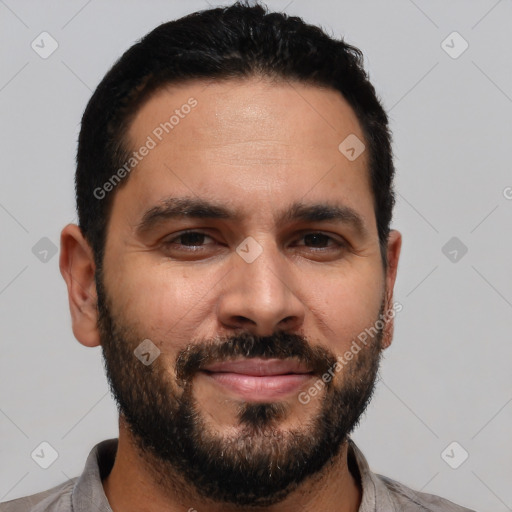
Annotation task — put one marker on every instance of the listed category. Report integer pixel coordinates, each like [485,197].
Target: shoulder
[408,500]
[382,493]
[56,499]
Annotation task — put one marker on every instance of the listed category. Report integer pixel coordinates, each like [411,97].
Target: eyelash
[168,243]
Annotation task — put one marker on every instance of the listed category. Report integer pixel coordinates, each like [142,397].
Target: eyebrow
[196,208]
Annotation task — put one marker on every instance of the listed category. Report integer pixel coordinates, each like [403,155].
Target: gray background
[447,375]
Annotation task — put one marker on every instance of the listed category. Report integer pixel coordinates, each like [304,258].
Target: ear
[78,269]
[393,254]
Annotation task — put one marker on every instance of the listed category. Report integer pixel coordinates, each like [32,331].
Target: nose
[261,297]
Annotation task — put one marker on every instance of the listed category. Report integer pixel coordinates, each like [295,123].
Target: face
[244,246]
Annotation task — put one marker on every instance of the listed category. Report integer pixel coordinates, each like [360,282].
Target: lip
[259,367]
[259,379]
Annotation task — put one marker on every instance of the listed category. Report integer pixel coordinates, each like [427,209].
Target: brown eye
[187,241]
[317,239]
[191,238]
[321,241]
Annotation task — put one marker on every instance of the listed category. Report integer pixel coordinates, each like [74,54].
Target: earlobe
[78,270]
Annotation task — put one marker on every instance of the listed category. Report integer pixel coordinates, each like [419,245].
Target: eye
[198,242]
[190,240]
[318,240]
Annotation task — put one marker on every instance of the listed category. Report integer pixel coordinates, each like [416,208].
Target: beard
[258,465]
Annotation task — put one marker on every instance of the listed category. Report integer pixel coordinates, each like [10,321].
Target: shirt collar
[88,494]
[373,489]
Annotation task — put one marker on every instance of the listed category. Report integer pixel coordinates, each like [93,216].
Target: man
[235,261]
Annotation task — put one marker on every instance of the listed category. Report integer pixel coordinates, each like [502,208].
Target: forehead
[258,111]
[245,141]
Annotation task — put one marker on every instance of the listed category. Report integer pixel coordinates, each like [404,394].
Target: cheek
[162,302]
[349,302]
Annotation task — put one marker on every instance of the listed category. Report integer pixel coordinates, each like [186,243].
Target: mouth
[257,379]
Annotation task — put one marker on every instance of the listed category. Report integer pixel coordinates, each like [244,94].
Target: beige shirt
[85,493]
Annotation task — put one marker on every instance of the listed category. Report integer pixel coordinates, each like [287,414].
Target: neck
[135,485]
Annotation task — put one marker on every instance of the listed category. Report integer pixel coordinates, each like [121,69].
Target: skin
[257,147]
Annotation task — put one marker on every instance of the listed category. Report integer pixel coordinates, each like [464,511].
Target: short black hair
[242,40]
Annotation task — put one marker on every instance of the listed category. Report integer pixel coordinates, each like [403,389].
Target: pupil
[317,237]
[194,236]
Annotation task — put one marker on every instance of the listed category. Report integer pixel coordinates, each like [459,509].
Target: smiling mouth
[259,379]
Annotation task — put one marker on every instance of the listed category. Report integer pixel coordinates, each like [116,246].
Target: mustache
[281,345]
